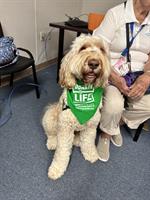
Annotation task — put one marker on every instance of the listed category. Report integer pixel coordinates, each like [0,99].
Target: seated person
[114,31]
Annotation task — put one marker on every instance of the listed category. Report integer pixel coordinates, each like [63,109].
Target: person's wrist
[147,73]
[113,75]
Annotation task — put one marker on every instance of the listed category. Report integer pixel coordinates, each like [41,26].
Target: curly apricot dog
[87,62]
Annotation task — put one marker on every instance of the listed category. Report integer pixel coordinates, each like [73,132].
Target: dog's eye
[82,48]
[102,49]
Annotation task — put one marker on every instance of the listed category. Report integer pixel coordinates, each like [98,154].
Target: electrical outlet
[43,36]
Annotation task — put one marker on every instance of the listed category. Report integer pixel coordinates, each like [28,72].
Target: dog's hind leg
[87,144]
[49,123]
[62,153]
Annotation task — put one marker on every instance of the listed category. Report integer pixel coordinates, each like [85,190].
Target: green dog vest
[84,100]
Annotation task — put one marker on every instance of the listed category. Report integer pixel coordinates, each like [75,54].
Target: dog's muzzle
[93,64]
[93,71]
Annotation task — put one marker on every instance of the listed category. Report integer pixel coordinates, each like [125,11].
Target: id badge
[121,66]
[124,69]
[120,62]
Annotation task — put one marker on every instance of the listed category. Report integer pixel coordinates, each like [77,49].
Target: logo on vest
[83,101]
[83,97]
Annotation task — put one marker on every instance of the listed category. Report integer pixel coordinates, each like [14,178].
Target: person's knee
[113,101]
[113,106]
[147,103]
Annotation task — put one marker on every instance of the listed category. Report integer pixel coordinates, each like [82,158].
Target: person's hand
[120,83]
[138,89]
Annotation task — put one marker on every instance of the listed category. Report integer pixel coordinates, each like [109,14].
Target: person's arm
[147,66]
[138,89]
[119,82]
[106,30]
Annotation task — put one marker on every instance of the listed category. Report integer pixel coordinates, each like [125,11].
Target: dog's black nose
[93,63]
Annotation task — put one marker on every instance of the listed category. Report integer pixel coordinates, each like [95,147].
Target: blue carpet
[24,158]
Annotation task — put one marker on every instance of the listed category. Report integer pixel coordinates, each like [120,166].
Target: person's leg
[137,111]
[111,112]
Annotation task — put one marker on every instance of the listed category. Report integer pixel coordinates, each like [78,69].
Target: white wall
[25,19]
[17,18]
[98,5]
[54,11]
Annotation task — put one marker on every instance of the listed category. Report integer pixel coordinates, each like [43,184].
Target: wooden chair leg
[138,132]
[35,81]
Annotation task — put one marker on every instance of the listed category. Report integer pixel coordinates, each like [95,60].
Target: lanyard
[131,28]
[130,42]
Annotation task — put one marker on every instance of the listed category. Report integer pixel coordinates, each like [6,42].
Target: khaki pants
[113,109]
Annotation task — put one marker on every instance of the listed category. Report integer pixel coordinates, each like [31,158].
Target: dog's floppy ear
[106,66]
[66,78]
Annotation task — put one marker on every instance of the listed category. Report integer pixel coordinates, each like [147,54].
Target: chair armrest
[27,51]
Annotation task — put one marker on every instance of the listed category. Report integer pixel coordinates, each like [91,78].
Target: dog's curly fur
[88,60]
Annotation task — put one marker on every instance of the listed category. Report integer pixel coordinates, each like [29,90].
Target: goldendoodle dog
[73,120]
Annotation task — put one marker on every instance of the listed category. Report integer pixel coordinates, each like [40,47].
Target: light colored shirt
[113,31]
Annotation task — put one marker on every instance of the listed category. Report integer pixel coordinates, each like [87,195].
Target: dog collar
[83,100]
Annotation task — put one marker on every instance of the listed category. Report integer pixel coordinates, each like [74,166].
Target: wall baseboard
[27,72]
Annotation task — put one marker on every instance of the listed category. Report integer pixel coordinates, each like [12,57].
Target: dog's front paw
[91,156]
[51,143]
[54,173]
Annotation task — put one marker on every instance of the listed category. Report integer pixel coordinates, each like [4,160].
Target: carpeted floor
[24,158]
